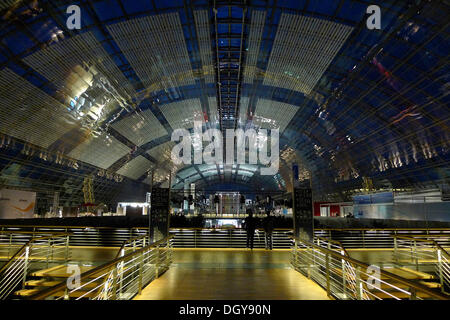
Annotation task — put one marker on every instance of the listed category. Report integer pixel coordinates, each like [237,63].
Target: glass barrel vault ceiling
[352,103]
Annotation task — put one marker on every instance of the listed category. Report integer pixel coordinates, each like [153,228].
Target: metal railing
[423,252]
[120,279]
[132,245]
[380,237]
[227,238]
[42,249]
[331,245]
[84,235]
[346,278]
[12,241]
[187,237]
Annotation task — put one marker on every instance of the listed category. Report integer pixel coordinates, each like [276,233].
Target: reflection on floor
[232,274]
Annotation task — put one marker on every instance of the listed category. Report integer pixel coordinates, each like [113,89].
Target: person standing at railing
[250,226]
[268,229]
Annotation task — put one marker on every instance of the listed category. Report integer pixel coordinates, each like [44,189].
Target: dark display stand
[159,213]
[303,214]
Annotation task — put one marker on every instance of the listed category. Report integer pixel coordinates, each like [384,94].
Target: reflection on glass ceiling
[351,103]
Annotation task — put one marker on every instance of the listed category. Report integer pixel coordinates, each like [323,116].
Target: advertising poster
[16,204]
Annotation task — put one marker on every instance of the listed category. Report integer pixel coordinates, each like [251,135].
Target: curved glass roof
[351,103]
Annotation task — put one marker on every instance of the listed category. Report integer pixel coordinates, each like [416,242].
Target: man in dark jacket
[268,229]
[250,226]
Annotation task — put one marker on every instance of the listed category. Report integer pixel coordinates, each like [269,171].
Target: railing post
[25,267]
[66,293]
[395,248]
[344,275]
[441,277]
[114,283]
[358,283]
[10,245]
[416,255]
[413,294]
[157,262]
[327,268]
[141,265]
[67,250]
[309,261]
[295,254]
[122,253]
[169,251]
[363,238]
[48,251]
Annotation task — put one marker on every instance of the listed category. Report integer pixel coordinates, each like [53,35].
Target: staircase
[394,289]
[423,255]
[50,277]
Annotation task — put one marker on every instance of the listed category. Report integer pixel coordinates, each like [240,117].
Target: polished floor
[232,274]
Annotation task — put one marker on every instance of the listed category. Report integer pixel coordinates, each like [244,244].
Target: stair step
[421,261]
[401,272]
[431,285]
[420,274]
[398,294]
[30,292]
[41,283]
[49,283]
[26,292]
[41,273]
[409,274]
[60,272]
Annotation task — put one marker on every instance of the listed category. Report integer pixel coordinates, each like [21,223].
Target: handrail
[397,278]
[387,229]
[22,249]
[146,227]
[182,228]
[423,240]
[61,286]
[31,232]
[129,241]
[331,241]
[64,227]
[426,235]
